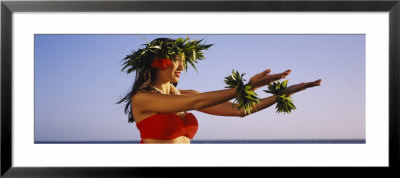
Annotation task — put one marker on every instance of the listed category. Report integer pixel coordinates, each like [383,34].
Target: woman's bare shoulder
[142,94]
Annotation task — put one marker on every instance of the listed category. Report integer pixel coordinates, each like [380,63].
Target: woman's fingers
[263,73]
[274,77]
[264,78]
[314,83]
[302,86]
[287,71]
[266,72]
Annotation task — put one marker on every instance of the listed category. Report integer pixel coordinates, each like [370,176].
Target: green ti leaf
[284,104]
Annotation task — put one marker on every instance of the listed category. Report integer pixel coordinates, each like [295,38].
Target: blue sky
[78,80]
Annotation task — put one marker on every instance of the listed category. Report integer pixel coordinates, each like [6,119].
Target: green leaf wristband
[245,98]
[284,103]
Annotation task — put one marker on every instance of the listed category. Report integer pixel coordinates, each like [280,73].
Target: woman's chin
[175,80]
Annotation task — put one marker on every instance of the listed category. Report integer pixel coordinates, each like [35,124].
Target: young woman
[160,109]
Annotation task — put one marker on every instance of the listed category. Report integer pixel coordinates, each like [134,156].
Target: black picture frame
[8,7]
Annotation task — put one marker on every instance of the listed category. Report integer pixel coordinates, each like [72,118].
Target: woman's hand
[302,86]
[262,79]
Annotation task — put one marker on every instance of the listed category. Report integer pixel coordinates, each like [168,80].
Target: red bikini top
[168,126]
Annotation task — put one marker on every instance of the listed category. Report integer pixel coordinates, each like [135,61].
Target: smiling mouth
[178,74]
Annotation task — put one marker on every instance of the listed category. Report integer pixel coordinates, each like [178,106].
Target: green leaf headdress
[191,50]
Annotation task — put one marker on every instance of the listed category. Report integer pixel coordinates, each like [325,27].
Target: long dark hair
[148,73]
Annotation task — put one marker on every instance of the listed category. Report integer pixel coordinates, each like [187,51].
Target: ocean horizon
[301,141]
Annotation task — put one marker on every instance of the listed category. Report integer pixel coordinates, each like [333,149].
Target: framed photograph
[61,78]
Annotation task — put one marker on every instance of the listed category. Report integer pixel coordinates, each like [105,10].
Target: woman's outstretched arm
[152,102]
[225,109]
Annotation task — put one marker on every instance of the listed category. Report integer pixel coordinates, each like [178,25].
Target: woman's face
[173,72]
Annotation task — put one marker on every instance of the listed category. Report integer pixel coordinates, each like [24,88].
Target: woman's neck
[163,86]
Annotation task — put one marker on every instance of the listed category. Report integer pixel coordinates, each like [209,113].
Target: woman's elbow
[198,102]
[199,105]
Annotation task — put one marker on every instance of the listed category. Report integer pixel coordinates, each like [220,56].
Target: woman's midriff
[181,139]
